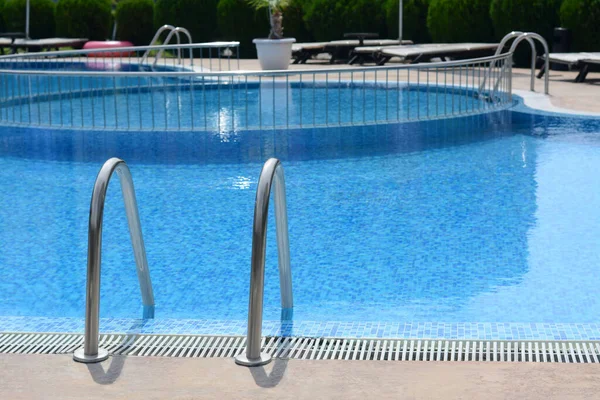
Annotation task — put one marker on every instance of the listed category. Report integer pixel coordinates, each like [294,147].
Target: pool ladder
[531,37]
[271,179]
[271,175]
[172,31]
[90,353]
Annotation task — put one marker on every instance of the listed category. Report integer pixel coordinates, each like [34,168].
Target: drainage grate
[311,348]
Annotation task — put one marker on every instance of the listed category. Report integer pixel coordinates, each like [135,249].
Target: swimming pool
[480,226]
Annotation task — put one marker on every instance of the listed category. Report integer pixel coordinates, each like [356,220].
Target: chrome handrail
[159,32]
[529,36]
[90,353]
[176,31]
[272,172]
[518,36]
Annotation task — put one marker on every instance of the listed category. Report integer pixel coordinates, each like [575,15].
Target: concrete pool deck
[58,377]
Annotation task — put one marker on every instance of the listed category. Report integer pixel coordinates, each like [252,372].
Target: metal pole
[400,7]
[27,20]
[90,353]
[272,171]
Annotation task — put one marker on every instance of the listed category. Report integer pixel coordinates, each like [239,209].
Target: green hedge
[414,20]
[2,25]
[241,22]
[135,21]
[582,17]
[90,19]
[460,21]
[41,17]
[197,16]
[293,21]
[330,19]
[540,16]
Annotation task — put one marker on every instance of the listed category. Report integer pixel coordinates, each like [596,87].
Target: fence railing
[212,56]
[226,101]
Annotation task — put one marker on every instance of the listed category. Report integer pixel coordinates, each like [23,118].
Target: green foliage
[239,21]
[539,16]
[452,21]
[90,19]
[293,21]
[197,16]
[330,19]
[582,17]
[135,21]
[41,17]
[414,19]
[2,26]
[274,4]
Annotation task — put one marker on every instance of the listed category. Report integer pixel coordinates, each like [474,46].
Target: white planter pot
[274,54]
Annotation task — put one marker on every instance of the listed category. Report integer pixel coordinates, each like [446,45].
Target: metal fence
[212,56]
[188,95]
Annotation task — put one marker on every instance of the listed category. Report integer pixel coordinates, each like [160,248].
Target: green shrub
[293,21]
[455,21]
[197,16]
[90,19]
[41,17]
[539,16]
[582,17]
[414,20]
[2,26]
[238,21]
[330,19]
[135,21]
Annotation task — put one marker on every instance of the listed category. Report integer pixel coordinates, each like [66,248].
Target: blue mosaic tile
[428,330]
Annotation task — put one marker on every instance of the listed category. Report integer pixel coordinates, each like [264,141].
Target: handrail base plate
[81,357]
[242,359]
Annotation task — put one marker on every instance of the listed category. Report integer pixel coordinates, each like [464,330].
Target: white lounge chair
[425,52]
[338,49]
[583,61]
[41,44]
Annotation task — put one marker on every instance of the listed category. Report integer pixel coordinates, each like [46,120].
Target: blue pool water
[482,219]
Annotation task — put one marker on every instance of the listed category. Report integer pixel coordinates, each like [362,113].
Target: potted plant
[275,52]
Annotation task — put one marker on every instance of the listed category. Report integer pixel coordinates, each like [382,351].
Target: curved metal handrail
[176,32]
[90,353]
[272,172]
[529,36]
[159,32]
[503,42]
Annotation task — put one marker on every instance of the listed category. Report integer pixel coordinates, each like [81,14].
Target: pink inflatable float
[109,44]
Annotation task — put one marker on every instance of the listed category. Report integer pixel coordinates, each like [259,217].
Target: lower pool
[486,225]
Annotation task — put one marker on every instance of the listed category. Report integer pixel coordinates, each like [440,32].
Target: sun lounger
[587,64]
[338,49]
[40,44]
[342,50]
[583,61]
[425,52]
[302,52]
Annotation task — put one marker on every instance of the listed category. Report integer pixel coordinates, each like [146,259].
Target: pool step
[206,346]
